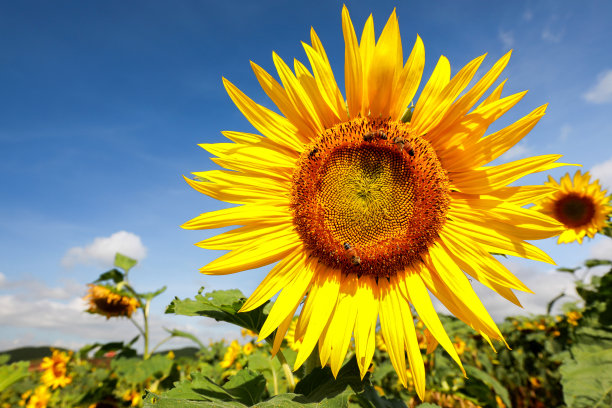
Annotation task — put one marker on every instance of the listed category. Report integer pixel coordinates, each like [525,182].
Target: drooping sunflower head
[368,205]
[110,303]
[55,370]
[582,206]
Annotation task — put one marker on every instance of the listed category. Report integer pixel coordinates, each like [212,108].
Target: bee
[402,143]
[350,252]
[313,152]
[368,137]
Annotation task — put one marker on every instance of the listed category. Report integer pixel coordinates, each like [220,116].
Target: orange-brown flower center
[369,197]
[574,210]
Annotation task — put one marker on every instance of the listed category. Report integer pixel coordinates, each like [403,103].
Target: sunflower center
[369,197]
[574,210]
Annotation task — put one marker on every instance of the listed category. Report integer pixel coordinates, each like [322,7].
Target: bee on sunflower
[368,206]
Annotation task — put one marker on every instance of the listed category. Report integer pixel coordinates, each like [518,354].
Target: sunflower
[368,206]
[55,374]
[40,398]
[106,302]
[583,207]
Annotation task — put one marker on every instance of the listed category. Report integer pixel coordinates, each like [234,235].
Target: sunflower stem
[145,313]
[286,370]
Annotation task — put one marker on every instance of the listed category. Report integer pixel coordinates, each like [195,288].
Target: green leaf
[151,295]
[587,379]
[154,400]
[428,405]
[500,390]
[137,371]
[370,398]
[246,386]
[568,270]
[199,388]
[4,358]
[590,263]
[320,383]
[10,374]
[114,274]
[221,305]
[124,262]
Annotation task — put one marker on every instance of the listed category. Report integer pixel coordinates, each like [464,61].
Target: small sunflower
[230,354]
[40,398]
[55,370]
[583,207]
[368,206]
[107,302]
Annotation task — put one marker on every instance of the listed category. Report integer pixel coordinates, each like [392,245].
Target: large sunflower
[583,207]
[367,205]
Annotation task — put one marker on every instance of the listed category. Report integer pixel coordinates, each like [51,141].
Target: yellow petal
[326,82]
[278,278]
[409,79]
[486,179]
[365,326]
[251,214]
[430,96]
[278,95]
[317,309]
[255,254]
[410,339]
[353,73]
[289,298]
[392,327]
[385,68]
[417,294]
[270,124]
[297,95]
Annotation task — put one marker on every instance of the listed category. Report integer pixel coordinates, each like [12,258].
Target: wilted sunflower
[581,206]
[55,374]
[367,205]
[106,302]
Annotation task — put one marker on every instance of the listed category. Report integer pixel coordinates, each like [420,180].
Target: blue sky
[105,102]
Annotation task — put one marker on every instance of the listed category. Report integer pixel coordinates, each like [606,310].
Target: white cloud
[506,37]
[566,131]
[2,280]
[601,92]
[103,249]
[551,36]
[602,249]
[527,15]
[516,152]
[27,317]
[603,172]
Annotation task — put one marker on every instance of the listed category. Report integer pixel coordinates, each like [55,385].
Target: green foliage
[124,262]
[10,374]
[587,378]
[221,305]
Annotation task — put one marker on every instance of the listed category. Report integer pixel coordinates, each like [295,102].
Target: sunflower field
[372,206]
[562,360]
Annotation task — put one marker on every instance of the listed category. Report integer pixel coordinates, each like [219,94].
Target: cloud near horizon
[603,172]
[103,249]
[601,92]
